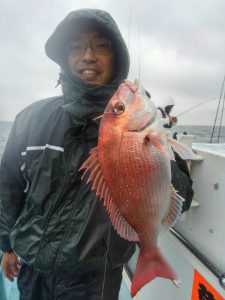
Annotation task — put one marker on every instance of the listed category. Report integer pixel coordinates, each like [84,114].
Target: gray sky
[180,44]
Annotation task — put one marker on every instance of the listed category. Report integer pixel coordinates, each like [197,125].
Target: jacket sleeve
[12,185]
[182,181]
[165,120]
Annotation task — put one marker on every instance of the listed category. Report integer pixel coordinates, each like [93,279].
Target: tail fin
[148,267]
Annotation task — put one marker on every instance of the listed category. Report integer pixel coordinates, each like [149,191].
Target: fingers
[10,265]
[9,275]
[15,269]
[11,271]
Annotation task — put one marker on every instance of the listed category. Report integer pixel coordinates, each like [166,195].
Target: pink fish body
[130,169]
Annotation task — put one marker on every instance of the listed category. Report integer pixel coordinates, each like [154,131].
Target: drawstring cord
[59,81]
[106,255]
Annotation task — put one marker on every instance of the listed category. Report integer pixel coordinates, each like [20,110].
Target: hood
[84,100]
[56,45]
[169,101]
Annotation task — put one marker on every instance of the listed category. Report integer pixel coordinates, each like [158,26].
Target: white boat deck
[202,226]
[218,149]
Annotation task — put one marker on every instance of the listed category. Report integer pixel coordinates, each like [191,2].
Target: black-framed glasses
[99,45]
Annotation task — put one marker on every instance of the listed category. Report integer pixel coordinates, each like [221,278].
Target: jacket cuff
[5,245]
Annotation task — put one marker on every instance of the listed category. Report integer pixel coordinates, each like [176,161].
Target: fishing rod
[184,112]
[221,119]
[217,111]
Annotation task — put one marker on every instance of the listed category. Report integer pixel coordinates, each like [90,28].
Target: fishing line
[139,51]
[106,255]
[184,112]
[128,39]
[138,38]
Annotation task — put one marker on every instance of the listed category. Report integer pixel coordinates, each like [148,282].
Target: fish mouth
[138,125]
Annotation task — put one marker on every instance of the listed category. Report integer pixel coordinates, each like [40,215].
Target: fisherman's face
[90,57]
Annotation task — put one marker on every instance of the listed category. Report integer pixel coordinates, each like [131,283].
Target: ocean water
[201,134]
[5,128]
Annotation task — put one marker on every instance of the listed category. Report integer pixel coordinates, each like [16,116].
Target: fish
[130,172]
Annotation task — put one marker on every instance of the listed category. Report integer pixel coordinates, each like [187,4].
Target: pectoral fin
[174,211]
[156,141]
[182,150]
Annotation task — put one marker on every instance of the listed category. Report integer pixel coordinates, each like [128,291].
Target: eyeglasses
[98,45]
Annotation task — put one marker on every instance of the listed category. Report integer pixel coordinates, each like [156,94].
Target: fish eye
[119,108]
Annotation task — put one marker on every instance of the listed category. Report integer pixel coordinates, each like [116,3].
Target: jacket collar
[85,101]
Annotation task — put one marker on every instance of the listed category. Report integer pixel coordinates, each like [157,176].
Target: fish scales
[137,172]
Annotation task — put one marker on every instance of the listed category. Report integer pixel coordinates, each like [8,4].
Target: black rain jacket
[48,215]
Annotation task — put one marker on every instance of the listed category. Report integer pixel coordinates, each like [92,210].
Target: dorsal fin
[174,211]
[93,167]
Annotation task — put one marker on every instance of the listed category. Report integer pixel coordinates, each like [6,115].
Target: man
[49,218]
[168,120]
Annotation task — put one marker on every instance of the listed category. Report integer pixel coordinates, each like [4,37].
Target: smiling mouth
[89,74]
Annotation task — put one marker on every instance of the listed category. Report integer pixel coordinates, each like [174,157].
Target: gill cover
[140,111]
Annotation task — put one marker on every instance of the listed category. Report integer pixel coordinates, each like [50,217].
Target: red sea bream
[130,169]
